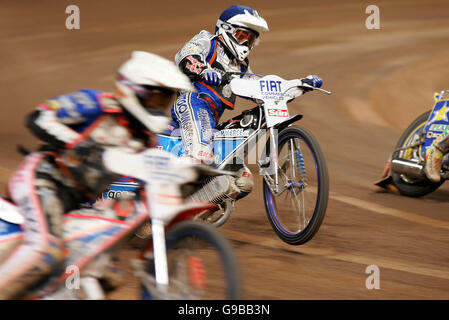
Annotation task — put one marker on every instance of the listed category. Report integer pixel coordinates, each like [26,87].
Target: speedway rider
[75,127]
[205,59]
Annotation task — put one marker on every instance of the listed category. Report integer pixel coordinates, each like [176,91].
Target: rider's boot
[244,181]
[434,159]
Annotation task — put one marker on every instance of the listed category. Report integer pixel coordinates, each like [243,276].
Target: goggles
[157,98]
[244,35]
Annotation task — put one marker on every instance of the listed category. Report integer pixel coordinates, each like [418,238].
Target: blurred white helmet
[238,27]
[146,86]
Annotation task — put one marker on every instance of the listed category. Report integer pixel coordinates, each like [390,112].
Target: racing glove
[312,80]
[211,77]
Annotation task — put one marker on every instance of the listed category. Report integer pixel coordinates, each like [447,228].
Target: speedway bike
[183,259]
[404,170]
[292,164]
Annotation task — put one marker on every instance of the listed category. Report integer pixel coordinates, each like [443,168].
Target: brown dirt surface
[381,80]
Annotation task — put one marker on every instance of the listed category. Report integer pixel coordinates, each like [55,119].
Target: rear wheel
[409,186]
[201,265]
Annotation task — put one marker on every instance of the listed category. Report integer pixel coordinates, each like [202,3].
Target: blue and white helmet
[238,27]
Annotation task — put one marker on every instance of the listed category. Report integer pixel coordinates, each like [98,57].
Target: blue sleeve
[78,107]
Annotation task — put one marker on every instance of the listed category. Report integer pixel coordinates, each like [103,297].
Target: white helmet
[146,85]
[238,27]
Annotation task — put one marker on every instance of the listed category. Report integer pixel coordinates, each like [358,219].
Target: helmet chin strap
[128,99]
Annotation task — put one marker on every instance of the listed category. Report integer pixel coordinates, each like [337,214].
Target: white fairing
[163,174]
[273,91]
[151,166]
[10,212]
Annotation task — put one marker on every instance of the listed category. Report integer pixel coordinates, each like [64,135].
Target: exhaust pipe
[408,168]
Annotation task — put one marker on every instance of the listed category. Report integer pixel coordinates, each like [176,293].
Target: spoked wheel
[410,186]
[296,210]
[201,265]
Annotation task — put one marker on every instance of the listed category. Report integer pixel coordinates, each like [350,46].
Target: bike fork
[274,157]
[160,253]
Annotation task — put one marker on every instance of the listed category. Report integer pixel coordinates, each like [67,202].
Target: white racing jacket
[205,50]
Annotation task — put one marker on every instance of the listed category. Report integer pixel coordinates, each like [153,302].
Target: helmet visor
[157,98]
[244,35]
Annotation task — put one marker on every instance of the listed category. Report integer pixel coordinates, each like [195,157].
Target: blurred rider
[75,126]
[205,59]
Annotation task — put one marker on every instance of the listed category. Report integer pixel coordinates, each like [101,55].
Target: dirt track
[381,80]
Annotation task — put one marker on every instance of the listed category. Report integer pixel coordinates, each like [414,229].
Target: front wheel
[201,265]
[296,210]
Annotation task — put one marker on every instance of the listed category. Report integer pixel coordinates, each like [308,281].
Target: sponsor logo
[440,114]
[194,65]
[117,194]
[117,191]
[204,155]
[85,100]
[157,162]
[69,106]
[437,131]
[271,89]
[441,128]
[270,85]
[206,128]
[231,133]
[185,119]
[278,112]
[246,174]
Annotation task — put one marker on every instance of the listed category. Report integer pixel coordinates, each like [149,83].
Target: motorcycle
[404,170]
[184,259]
[294,170]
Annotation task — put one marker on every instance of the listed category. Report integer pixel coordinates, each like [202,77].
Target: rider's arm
[46,126]
[191,59]
[59,120]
